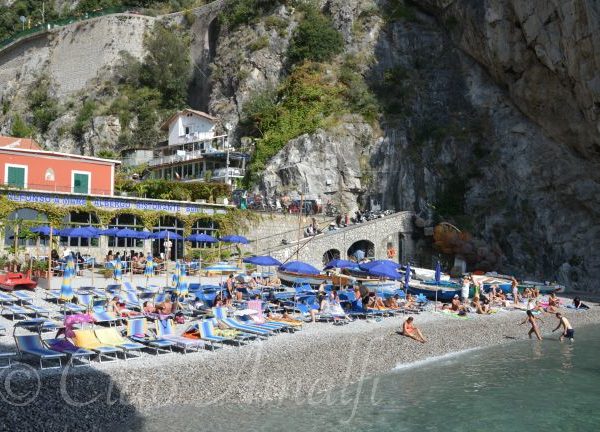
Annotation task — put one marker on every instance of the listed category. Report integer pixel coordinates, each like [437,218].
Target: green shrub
[314,39]
[241,12]
[20,129]
[303,103]
[278,23]
[259,43]
[396,10]
[358,95]
[83,119]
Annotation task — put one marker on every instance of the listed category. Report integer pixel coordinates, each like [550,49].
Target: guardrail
[41,28]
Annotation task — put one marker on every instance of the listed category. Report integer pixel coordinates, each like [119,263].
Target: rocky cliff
[488,116]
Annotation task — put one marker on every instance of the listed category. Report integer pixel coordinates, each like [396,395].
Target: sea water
[522,386]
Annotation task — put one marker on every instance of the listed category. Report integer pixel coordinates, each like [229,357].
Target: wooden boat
[445,291]
[427,274]
[13,281]
[337,279]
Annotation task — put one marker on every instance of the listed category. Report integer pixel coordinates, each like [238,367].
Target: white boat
[427,274]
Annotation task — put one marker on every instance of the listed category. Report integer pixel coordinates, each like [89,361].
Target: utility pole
[43,12]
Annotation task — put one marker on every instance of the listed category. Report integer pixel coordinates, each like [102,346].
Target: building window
[79,219]
[126,221]
[208,227]
[15,175]
[81,182]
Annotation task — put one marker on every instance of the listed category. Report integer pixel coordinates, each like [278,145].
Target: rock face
[328,164]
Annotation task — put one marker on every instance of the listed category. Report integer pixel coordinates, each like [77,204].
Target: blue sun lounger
[100,315]
[137,331]
[39,311]
[131,300]
[220,314]
[165,330]
[73,352]
[33,346]
[7,298]
[22,297]
[110,336]
[6,359]
[15,312]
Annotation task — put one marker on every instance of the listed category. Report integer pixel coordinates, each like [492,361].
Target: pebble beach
[294,366]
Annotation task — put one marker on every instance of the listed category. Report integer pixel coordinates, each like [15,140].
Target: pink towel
[257,306]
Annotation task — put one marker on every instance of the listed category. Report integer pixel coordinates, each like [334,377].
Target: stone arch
[331,254]
[366,246]
[173,224]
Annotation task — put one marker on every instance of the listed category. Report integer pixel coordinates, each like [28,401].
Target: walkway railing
[41,28]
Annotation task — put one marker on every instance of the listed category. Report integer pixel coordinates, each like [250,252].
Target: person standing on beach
[531,319]
[515,290]
[567,328]
[464,292]
[409,330]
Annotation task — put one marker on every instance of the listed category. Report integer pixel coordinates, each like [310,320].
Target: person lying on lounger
[392,302]
[553,303]
[411,331]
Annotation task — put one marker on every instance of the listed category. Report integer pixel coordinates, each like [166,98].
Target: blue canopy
[109,232]
[165,234]
[340,263]
[129,233]
[299,267]
[388,263]
[438,273]
[204,238]
[262,261]
[93,229]
[44,230]
[382,268]
[81,232]
[234,239]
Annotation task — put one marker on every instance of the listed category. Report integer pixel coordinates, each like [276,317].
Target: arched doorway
[19,222]
[362,249]
[172,224]
[331,254]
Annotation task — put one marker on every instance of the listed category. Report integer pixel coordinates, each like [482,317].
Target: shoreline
[287,367]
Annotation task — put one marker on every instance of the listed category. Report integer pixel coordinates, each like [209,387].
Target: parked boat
[445,292]
[337,279]
[13,281]
[427,274]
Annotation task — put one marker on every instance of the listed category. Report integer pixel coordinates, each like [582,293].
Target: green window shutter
[16,176]
[81,183]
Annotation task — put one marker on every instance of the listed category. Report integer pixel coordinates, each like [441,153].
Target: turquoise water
[528,386]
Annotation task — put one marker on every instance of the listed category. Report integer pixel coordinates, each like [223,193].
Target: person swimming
[534,327]
[567,328]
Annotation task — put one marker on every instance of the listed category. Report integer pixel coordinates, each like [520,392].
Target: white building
[189,126]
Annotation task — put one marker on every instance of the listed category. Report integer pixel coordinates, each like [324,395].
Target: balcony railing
[56,188]
[212,144]
[222,173]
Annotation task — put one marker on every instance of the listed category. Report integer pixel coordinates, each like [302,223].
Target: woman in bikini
[532,320]
[409,330]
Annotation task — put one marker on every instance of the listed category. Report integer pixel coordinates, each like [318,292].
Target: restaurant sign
[114,203]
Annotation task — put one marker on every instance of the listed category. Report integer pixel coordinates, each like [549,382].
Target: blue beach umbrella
[80,232]
[381,269]
[265,261]
[387,263]
[178,279]
[235,239]
[66,288]
[109,232]
[438,273]
[133,234]
[44,230]
[118,270]
[340,264]
[201,238]
[407,276]
[299,267]
[149,268]
[165,234]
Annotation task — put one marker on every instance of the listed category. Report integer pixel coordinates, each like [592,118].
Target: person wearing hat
[332,227]
[456,305]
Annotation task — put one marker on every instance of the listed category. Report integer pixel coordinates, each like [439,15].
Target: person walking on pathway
[567,328]
[532,320]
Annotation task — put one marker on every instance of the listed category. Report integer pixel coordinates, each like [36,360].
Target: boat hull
[429,291]
[15,281]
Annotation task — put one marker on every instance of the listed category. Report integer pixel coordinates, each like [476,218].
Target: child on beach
[534,327]
[409,330]
[567,328]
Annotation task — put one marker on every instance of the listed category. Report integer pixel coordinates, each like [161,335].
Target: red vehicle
[13,281]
